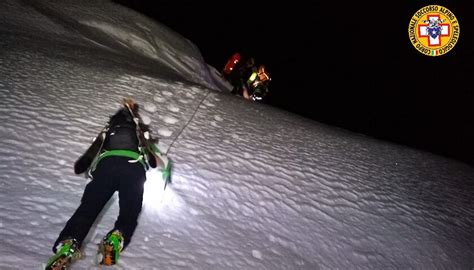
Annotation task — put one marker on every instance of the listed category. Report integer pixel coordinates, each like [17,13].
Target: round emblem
[433,30]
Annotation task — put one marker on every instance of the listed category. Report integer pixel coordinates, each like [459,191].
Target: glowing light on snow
[155,196]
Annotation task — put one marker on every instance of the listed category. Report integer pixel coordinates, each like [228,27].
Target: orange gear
[262,73]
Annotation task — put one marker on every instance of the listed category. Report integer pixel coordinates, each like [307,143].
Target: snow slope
[254,187]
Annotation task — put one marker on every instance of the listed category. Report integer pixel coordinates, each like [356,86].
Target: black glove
[82,164]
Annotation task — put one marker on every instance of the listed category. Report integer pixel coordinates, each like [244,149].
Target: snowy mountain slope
[117,29]
[253,187]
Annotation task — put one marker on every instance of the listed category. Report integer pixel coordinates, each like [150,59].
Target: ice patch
[159,99]
[247,155]
[193,212]
[170,120]
[167,93]
[184,101]
[164,132]
[146,120]
[209,104]
[257,254]
[150,107]
[173,108]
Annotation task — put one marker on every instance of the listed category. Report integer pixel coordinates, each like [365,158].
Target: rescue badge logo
[433,30]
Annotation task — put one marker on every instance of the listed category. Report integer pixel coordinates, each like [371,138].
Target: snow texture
[254,187]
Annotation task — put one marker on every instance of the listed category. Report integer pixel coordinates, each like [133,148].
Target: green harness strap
[122,153]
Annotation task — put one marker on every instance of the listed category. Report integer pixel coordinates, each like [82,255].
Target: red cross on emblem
[434,39]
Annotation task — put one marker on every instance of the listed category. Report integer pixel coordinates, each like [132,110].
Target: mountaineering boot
[110,248]
[67,252]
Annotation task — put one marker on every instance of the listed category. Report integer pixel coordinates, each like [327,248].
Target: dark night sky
[351,66]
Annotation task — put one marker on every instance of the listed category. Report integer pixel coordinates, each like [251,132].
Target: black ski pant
[111,174]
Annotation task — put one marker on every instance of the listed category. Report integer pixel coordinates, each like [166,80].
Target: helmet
[250,62]
[130,103]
